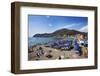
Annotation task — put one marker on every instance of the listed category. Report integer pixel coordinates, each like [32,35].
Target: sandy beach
[52,54]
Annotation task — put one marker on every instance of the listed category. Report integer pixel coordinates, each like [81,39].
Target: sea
[40,40]
[43,40]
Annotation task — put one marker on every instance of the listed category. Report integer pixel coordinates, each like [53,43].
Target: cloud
[84,29]
[70,26]
[50,25]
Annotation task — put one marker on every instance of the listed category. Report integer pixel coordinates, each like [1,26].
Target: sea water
[40,40]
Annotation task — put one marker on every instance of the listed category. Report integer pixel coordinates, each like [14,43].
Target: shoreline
[49,53]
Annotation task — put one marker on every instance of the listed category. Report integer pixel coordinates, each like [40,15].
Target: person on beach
[77,47]
[40,52]
[78,43]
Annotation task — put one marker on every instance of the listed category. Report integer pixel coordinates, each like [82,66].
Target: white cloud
[50,25]
[70,26]
[84,29]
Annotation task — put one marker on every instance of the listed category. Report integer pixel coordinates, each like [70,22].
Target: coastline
[52,53]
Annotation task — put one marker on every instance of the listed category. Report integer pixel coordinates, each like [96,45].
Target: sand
[53,54]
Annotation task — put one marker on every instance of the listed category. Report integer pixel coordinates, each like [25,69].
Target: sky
[39,24]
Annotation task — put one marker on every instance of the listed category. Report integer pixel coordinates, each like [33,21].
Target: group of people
[80,45]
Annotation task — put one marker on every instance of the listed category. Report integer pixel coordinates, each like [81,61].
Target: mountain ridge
[60,33]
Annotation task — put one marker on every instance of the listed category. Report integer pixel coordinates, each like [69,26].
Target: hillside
[60,33]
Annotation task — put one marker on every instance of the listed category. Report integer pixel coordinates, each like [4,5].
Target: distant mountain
[60,33]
